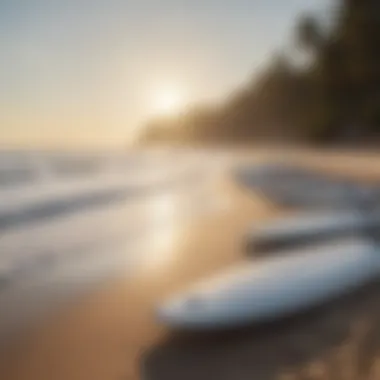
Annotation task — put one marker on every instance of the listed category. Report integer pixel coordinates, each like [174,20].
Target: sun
[168,101]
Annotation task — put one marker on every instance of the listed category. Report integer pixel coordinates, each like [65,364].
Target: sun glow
[168,101]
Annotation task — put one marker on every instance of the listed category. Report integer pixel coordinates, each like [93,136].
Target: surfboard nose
[182,312]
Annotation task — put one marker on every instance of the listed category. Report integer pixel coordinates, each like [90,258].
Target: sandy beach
[111,334]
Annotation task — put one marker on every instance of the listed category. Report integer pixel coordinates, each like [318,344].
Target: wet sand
[112,334]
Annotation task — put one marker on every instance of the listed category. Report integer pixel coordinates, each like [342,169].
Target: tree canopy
[335,98]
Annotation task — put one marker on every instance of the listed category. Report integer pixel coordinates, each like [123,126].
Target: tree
[335,97]
[309,34]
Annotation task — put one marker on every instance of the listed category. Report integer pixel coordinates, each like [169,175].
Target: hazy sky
[91,71]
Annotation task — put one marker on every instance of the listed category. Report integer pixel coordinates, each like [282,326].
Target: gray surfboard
[268,289]
[306,228]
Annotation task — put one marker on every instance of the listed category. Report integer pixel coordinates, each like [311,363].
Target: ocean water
[70,219]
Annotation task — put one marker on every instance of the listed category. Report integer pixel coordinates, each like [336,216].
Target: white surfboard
[257,291]
[289,230]
[298,187]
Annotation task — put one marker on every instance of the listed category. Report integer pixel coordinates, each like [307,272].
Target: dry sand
[112,334]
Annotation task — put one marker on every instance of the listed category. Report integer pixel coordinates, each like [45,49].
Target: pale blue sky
[87,70]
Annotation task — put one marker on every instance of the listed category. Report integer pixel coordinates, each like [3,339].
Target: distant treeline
[332,97]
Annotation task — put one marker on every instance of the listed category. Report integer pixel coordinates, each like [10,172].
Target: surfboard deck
[298,187]
[307,228]
[272,288]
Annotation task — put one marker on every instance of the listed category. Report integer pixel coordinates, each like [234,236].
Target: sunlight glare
[168,101]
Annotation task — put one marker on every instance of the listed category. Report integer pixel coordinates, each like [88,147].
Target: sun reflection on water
[165,219]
